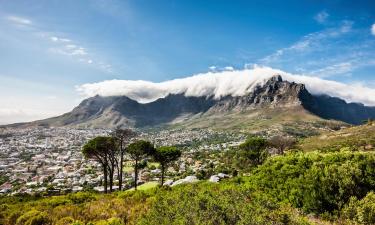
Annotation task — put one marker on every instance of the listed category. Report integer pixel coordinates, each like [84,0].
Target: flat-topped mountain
[268,101]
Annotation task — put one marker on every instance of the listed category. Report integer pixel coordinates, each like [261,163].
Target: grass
[146,186]
[149,164]
[128,169]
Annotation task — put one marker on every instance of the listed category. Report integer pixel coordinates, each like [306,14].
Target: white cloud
[66,47]
[373,29]
[57,39]
[79,51]
[339,68]
[70,46]
[72,51]
[321,17]
[62,45]
[229,68]
[310,42]
[219,84]
[212,68]
[19,20]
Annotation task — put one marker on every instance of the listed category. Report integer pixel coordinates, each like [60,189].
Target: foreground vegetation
[328,185]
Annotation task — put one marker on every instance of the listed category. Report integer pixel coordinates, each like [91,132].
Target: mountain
[273,104]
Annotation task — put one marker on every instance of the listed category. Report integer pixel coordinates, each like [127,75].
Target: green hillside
[353,138]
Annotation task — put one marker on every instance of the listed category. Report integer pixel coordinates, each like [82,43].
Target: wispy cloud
[57,39]
[68,47]
[71,50]
[373,29]
[334,51]
[61,44]
[310,42]
[19,20]
[321,17]
[339,68]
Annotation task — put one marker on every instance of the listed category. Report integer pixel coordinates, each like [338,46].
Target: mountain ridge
[122,111]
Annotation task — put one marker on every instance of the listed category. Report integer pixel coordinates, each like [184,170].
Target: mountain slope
[352,138]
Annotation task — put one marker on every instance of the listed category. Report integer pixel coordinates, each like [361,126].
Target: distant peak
[276,78]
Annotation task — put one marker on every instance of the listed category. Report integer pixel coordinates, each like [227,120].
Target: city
[49,160]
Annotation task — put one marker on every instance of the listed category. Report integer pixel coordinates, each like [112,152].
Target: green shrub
[227,203]
[317,182]
[361,211]
[81,197]
[111,221]
[65,221]
[33,217]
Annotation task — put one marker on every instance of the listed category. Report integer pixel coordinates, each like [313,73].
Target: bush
[227,203]
[81,197]
[65,221]
[361,212]
[33,217]
[317,182]
[111,221]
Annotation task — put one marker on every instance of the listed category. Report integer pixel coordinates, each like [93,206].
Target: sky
[51,50]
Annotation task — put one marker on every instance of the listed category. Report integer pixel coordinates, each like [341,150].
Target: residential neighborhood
[49,160]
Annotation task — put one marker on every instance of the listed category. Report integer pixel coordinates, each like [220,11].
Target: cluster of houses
[36,160]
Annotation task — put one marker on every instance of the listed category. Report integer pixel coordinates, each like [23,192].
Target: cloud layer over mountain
[219,84]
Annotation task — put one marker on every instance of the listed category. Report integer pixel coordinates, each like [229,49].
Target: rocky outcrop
[274,93]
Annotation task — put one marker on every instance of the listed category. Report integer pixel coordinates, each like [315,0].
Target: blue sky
[49,47]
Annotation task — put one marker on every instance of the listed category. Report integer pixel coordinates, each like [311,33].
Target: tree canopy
[254,149]
[139,150]
[165,155]
[102,149]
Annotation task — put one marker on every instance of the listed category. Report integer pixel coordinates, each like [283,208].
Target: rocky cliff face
[274,93]
[121,111]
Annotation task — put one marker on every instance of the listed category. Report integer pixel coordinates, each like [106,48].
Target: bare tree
[281,143]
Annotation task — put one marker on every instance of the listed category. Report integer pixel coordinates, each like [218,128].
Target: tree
[99,149]
[254,149]
[138,151]
[122,137]
[281,143]
[165,155]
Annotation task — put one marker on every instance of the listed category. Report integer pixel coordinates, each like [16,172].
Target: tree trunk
[162,175]
[120,170]
[111,178]
[136,174]
[105,172]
